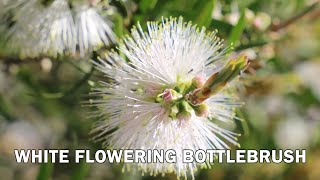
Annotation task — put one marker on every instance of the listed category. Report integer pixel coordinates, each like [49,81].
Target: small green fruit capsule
[184,116]
[202,110]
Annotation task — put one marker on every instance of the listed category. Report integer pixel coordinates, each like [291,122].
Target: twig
[293,19]
[251,45]
[74,88]
[85,78]
[16,60]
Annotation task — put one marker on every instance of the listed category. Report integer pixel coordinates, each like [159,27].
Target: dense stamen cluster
[176,100]
[166,93]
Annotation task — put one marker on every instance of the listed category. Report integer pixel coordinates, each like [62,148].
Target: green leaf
[6,110]
[146,5]
[118,25]
[251,45]
[242,123]
[237,30]
[45,171]
[81,171]
[222,26]
[204,10]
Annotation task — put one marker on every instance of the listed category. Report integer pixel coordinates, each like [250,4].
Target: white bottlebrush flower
[22,38]
[92,30]
[59,34]
[158,100]
[47,31]
[57,29]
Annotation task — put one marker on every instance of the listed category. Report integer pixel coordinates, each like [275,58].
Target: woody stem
[218,80]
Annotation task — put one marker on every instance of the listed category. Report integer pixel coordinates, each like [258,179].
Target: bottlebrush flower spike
[60,27]
[146,103]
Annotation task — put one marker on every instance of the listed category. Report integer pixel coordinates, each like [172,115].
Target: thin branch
[85,78]
[16,60]
[295,18]
[74,88]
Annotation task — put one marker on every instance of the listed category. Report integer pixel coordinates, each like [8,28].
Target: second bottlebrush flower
[56,28]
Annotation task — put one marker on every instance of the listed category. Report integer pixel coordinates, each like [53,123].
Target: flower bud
[173,112]
[167,95]
[262,21]
[184,116]
[202,110]
[185,106]
[184,111]
[170,95]
[198,81]
[218,80]
[249,15]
